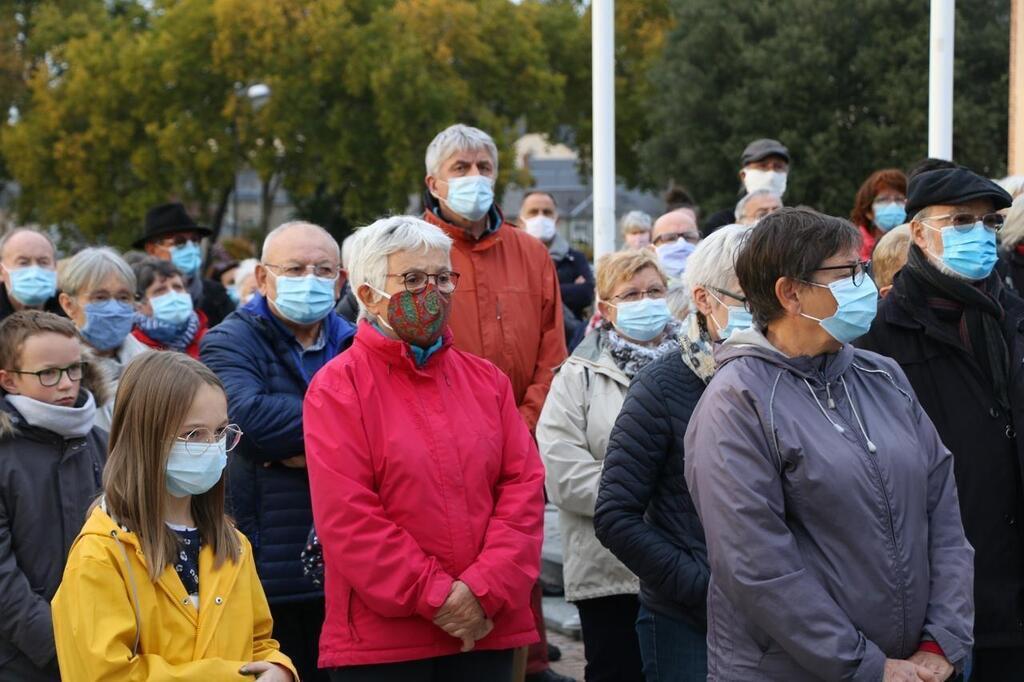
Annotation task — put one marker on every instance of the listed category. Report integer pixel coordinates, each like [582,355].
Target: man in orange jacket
[508,308]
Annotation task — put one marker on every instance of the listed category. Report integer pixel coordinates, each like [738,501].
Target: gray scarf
[631,357]
[558,249]
[66,422]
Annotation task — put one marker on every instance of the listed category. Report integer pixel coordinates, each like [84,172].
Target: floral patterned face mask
[418,319]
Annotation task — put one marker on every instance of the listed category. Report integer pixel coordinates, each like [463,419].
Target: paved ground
[572,655]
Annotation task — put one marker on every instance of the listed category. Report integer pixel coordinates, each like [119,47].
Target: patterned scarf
[698,348]
[631,357]
[175,336]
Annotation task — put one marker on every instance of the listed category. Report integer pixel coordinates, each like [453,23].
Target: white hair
[88,268]
[713,263]
[741,205]
[1013,184]
[458,138]
[635,221]
[374,243]
[1012,233]
[246,268]
[284,227]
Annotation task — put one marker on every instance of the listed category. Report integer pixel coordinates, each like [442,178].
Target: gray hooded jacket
[831,517]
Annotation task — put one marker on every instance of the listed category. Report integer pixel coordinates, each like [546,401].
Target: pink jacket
[419,477]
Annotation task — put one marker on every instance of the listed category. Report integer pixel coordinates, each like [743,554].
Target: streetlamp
[258,94]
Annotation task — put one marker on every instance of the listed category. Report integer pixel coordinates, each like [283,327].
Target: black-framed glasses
[198,441]
[858,271]
[634,296]
[731,294]
[673,237]
[180,240]
[51,376]
[321,270]
[416,281]
[964,222]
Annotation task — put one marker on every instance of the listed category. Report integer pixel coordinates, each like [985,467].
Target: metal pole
[940,80]
[603,58]
[1015,161]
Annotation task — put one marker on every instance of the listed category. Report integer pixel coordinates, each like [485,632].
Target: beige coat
[577,419]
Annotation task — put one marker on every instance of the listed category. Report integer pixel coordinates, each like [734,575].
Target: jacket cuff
[872,664]
[953,648]
[434,595]
[477,584]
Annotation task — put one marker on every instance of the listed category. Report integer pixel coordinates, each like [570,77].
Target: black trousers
[609,638]
[475,666]
[297,629]
[997,665]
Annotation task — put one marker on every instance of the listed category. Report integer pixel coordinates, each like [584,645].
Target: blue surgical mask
[856,311]
[971,253]
[107,324]
[304,300]
[33,285]
[471,196]
[187,258]
[194,474]
[233,294]
[739,319]
[642,320]
[174,307]
[673,256]
[888,215]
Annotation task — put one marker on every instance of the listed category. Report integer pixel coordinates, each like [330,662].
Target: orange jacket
[508,308]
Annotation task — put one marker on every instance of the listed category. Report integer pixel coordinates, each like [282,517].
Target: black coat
[988,454]
[1011,269]
[46,486]
[6,308]
[644,512]
[575,296]
[216,303]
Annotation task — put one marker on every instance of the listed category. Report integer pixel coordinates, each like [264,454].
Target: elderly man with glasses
[956,331]
[266,353]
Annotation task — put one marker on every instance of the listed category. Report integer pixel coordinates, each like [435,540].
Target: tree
[843,85]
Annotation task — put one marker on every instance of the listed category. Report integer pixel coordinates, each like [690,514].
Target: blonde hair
[615,268]
[153,399]
[890,255]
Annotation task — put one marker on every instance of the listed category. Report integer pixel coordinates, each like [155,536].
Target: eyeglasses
[51,376]
[198,441]
[179,240]
[634,296]
[321,270]
[736,297]
[673,237]
[858,271]
[416,280]
[964,222]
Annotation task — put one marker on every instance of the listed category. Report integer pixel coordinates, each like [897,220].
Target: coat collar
[593,354]
[460,236]
[396,353]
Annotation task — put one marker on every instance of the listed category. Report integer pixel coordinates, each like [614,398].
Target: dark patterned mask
[419,319]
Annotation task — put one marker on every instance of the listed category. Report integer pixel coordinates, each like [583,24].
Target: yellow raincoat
[103,612]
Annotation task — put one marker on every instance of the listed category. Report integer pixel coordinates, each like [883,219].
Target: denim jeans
[671,650]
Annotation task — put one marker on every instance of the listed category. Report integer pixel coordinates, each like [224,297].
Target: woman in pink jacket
[426,484]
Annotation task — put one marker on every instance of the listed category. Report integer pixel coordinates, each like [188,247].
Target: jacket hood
[752,343]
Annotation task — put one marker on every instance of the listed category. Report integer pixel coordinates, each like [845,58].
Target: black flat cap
[953,186]
[762,149]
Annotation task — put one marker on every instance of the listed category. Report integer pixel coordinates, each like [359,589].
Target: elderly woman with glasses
[426,483]
[827,498]
[641,509]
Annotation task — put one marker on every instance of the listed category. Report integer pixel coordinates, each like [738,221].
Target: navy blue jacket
[644,512]
[256,358]
[576,296]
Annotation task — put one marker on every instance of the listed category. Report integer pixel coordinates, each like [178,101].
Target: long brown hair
[153,398]
[891,178]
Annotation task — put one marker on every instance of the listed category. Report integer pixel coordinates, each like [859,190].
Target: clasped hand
[461,616]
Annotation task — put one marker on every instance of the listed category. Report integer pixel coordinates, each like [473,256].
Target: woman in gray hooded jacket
[828,501]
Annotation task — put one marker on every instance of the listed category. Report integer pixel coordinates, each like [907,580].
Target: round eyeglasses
[198,441]
[416,280]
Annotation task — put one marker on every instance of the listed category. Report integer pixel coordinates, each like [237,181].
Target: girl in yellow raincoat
[159,585]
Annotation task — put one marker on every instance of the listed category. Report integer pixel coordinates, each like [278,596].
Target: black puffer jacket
[644,513]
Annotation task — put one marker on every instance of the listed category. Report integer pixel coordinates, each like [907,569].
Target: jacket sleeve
[754,557]
[509,563]
[26,615]
[950,616]
[640,442]
[380,560]
[573,473]
[94,627]
[271,422]
[552,347]
[264,646]
[579,296]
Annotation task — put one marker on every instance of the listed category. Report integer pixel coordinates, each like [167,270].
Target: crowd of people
[781,445]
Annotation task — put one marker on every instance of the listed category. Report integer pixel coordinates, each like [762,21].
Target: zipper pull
[499,309]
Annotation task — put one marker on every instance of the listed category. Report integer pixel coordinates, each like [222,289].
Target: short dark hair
[531,192]
[677,197]
[148,270]
[791,242]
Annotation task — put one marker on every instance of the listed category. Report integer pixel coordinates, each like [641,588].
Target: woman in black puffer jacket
[644,513]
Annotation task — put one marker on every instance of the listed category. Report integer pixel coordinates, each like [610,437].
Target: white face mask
[541,227]
[755,179]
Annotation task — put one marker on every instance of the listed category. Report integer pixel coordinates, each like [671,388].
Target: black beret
[952,186]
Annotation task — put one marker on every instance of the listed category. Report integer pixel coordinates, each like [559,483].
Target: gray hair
[635,221]
[245,269]
[741,205]
[87,269]
[458,138]
[713,263]
[1012,233]
[374,243]
[284,227]
[6,237]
